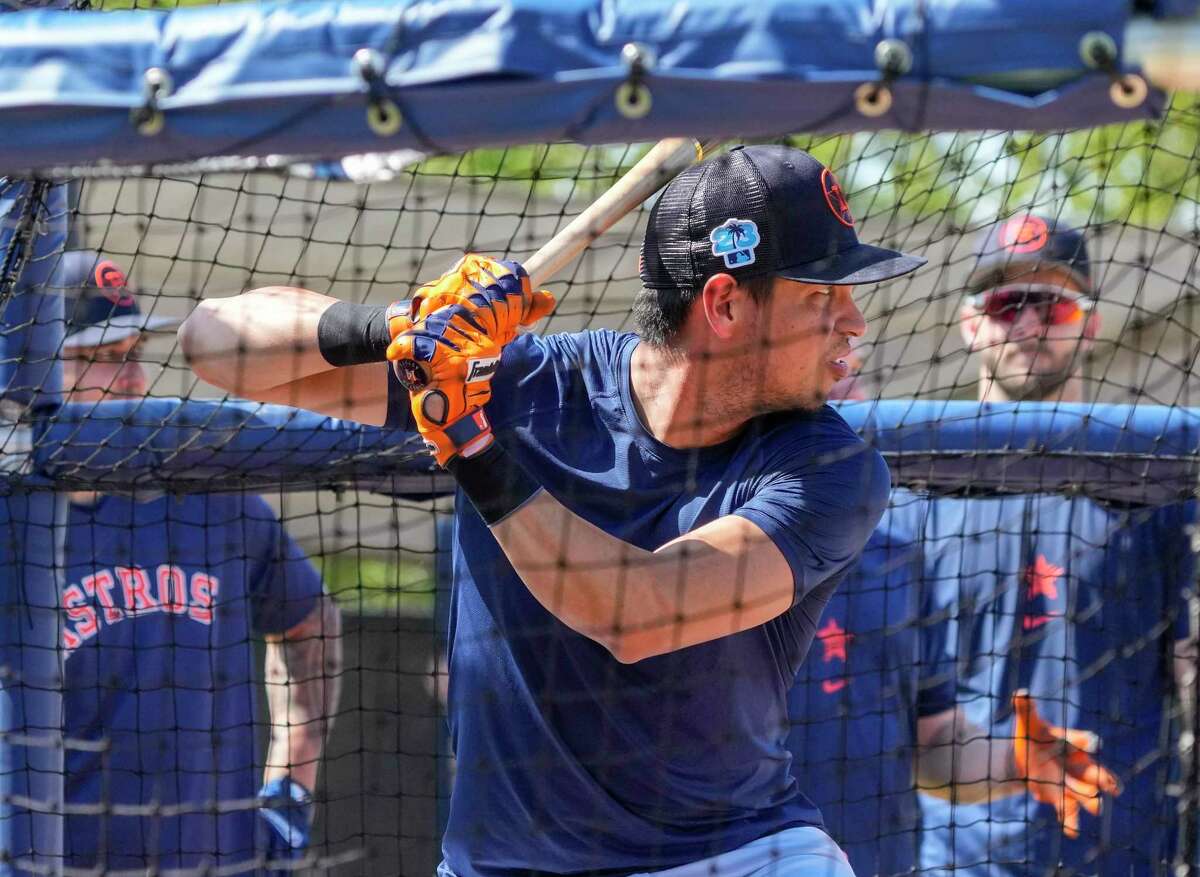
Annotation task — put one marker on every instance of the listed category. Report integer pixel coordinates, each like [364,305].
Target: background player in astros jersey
[854,705]
[1060,596]
[857,703]
[647,527]
[163,600]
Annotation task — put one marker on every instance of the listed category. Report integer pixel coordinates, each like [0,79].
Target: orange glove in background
[1057,766]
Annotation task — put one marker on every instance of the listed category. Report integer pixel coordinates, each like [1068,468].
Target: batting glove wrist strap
[494,481]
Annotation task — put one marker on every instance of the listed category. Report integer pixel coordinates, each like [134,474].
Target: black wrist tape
[350,334]
[494,481]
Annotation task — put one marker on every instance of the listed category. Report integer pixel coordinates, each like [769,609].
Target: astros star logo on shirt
[1041,587]
[834,640]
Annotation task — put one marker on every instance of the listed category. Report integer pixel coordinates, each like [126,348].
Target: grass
[374,584]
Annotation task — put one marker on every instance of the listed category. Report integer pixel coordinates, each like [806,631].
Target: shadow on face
[109,371]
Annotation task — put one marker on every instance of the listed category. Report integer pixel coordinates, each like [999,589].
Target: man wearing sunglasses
[1053,602]
[1029,313]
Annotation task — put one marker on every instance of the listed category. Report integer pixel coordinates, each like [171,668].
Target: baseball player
[162,603]
[1058,602]
[648,525]
[854,706]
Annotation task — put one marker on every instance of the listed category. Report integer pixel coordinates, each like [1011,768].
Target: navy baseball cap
[98,304]
[1026,242]
[759,210]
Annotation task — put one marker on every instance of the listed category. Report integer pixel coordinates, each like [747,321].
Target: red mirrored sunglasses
[1054,305]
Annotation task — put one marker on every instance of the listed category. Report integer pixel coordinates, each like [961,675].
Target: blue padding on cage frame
[196,445]
[1137,454]
[280,78]
[1124,453]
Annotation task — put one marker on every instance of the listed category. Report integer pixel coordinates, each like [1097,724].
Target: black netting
[960,599]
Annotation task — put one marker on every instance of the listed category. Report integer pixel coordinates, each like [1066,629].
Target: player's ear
[970,321]
[1091,327]
[722,304]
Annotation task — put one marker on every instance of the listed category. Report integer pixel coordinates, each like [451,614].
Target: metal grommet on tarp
[1128,91]
[1099,51]
[893,58]
[383,115]
[148,119]
[872,99]
[633,98]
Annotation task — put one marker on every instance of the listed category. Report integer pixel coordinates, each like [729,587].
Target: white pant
[794,852]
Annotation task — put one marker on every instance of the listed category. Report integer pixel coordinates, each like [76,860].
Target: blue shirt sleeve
[283,585]
[820,504]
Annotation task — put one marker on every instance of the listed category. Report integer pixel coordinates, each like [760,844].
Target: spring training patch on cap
[1024,234]
[735,240]
[835,199]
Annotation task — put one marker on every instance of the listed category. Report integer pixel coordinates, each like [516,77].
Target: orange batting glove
[489,296]
[1057,766]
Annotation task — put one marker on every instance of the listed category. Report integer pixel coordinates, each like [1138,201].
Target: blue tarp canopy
[282,79]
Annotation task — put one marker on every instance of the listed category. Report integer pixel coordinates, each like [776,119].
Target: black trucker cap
[98,304]
[1026,242]
[759,210]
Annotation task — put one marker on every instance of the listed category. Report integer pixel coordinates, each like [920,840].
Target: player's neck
[991,390]
[677,403]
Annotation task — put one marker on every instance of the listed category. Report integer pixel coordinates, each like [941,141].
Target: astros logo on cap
[835,199]
[1024,234]
[111,282]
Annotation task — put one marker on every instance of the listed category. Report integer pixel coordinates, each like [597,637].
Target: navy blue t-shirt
[161,603]
[570,761]
[1079,603]
[856,701]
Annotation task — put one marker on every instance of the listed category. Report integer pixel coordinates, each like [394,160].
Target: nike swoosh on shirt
[830,686]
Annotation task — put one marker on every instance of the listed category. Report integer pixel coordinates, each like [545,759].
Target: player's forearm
[958,761]
[634,602]
[255,341]
[304,681]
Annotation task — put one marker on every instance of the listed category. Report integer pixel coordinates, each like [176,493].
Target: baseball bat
[654,170]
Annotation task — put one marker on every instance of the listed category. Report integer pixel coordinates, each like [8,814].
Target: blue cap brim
[862,263]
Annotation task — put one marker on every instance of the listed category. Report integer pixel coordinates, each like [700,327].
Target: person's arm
[807,521]
[722,578]
[263,345]
[959,761]
[1054,765]
[304,682]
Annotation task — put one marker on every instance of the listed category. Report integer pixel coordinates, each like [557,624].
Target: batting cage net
[235,630]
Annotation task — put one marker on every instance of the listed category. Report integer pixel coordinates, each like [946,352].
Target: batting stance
[162,603]
[1058,602]
[648,525]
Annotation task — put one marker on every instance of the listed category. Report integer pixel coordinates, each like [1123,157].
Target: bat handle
[664,160]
